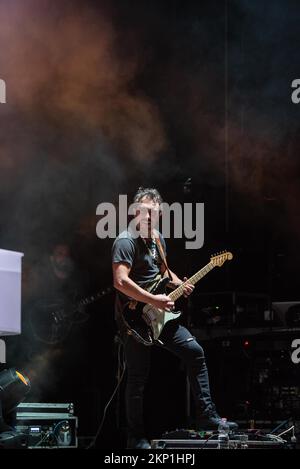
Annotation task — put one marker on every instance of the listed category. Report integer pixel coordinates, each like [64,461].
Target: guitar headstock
[219,258]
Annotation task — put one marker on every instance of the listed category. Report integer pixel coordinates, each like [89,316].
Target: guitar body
[49,323]
[145,322]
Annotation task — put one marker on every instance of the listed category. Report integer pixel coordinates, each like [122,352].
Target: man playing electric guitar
[137,262]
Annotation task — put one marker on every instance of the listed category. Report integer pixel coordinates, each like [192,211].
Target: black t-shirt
[144,265]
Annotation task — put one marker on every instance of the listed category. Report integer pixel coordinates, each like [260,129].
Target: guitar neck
[178,292]
[91,299]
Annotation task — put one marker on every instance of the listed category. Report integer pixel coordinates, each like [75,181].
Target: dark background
[103,97]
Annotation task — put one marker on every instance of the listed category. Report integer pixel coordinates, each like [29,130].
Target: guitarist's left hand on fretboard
[188,289]
[172,285]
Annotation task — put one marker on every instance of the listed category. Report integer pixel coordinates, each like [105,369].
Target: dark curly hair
[148,192]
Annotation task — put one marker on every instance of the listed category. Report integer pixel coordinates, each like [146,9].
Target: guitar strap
[163,257]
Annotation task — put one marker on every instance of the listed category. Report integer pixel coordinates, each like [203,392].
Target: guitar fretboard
[92,298]
[86,301]
[178,292]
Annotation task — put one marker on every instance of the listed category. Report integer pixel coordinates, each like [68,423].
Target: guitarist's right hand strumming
[163,302]
[126,285]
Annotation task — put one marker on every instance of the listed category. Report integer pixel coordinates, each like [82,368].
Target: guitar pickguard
[158,318]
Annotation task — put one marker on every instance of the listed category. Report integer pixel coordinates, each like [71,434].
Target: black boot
[137,443]
[4,427]
[210,420]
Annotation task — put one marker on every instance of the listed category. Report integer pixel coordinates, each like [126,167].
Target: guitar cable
[120,376]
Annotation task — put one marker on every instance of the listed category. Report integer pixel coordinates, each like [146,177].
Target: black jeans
[178,340]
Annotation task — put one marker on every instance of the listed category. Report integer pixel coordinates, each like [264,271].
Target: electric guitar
[145,322]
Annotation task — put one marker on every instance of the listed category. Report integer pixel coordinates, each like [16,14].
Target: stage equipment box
[232,309]
[48,425]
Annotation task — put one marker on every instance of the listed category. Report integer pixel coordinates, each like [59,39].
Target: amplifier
[47,425]
[232,309]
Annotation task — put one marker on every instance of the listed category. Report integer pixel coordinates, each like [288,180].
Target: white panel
[10,292]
